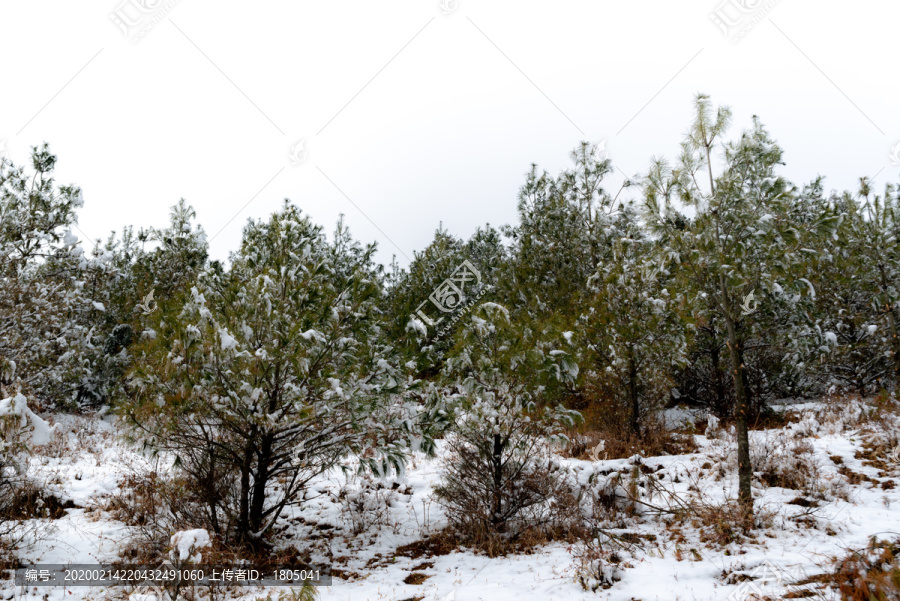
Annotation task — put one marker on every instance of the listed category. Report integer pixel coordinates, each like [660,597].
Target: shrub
[786,464]
[497,478]
[20,497]
[619,443]
[367,506]
[20,429]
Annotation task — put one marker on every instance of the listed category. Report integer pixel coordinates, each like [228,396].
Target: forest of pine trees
[711,282]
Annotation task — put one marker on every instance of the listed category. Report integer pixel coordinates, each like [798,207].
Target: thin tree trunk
[735,348]
[633,397]
[719,384]
[745,470]
[212,495]
[895,345]
[497,465]
[892,325]
[243,524]
[260,480]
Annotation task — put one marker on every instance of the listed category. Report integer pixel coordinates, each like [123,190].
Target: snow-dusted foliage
[67,317]
[272,372]
[43,308]
[277,373]
[566,227]
[740,255]
[20,429]
[497,478]
[631,334]
[407,293]
[857,278]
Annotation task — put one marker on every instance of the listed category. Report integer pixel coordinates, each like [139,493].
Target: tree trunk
[212,490]
[497,466]
[895,345]
[719,384]
[741,406]
[633,397]
[260,481]
[735,349]
[243,523]
[892,325]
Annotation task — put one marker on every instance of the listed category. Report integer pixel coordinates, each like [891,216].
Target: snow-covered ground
[87,462]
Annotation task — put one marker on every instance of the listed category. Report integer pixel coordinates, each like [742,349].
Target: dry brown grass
[870,574]
[156,507]
[620,443]
[442,543]
[30,501]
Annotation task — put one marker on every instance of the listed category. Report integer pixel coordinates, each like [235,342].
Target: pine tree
[856,273]
[424,332]
[565,228]
[737,248]
[632,331]
[47,314]
[274,370]
[879,230]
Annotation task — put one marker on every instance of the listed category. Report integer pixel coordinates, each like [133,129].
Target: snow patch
[41,431]
[186,542]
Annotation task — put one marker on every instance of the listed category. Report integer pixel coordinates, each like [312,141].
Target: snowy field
[86,462]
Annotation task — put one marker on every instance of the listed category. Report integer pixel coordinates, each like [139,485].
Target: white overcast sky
[413,113]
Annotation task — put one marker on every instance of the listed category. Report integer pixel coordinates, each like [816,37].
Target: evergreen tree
[423,331]
[273,371]
[632,331]
[737,248]
[47,313]
[565,229]
[856,274]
